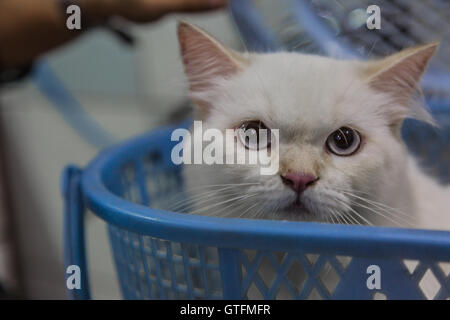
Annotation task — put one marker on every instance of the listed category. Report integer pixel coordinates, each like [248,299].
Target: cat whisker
[277,210]
[254,214]
[394,219]
[248,209]
[351,218]
[337,216]
[260,211]
[225,201]
[230,206]
[331,218]
[205,199]
[394,215]
[348,207]
[187,201]
[391,214]
[354,219]
[185,191]
[192,199]
[172,201]
[378,204]
[334,216]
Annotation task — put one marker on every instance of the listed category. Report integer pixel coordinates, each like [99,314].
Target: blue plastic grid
[166,255]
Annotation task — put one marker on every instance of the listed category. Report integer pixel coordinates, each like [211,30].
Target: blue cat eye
[344,142]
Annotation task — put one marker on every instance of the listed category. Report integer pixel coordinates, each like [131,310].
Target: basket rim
[270,235]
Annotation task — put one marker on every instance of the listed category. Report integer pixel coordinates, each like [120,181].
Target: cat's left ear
[399,75]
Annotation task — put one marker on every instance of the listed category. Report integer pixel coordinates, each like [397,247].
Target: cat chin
[298,210]
[295,212]
[296,215]
[307,211]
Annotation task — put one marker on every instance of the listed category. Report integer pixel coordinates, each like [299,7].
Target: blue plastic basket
[167,255]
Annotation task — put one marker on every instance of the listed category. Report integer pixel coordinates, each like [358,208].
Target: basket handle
[74,240]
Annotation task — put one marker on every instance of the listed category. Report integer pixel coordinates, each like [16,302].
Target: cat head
[339,123]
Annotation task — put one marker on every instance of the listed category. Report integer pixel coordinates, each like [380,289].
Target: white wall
[127,92]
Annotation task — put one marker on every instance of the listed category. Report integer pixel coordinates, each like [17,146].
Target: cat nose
[298,181]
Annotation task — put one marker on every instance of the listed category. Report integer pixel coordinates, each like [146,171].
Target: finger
[191,5]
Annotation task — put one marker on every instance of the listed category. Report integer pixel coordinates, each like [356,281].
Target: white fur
[308,97]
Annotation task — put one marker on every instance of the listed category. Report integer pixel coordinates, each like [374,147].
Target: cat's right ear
[398,75]
[206,59]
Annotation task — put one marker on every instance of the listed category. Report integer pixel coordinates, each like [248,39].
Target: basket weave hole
[297,276]
[411,265]
[429,285]
[314,295]
[445,267]
[329,277]
[379,296]
[267,272]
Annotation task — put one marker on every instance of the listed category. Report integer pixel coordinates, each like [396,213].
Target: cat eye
[252,135]
[344,141]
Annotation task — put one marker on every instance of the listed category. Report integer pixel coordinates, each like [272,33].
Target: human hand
[147,10]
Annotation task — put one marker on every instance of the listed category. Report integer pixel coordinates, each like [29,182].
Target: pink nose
[298,181]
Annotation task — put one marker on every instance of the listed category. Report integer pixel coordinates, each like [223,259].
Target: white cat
[341,156]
